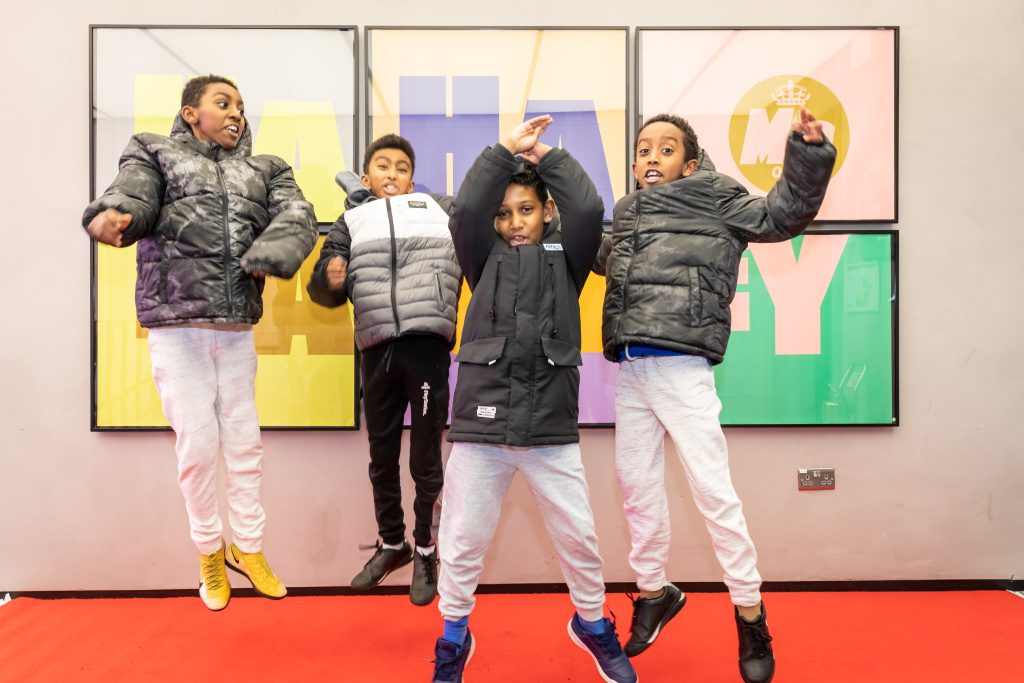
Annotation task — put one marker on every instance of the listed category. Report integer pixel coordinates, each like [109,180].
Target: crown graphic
[791,95]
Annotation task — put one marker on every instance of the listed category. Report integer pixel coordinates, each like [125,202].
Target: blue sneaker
[612,662]
[450,659]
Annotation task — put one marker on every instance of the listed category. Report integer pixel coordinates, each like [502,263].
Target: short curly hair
[389,141]
[195,88]
[690,146]
[528,177]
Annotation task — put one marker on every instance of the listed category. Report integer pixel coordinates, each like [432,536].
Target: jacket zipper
[440,291]
[554,301]
[494,297]
[629,271]
[394,269]
[533,356]
[227,238]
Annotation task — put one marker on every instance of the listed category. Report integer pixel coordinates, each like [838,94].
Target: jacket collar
[181,131]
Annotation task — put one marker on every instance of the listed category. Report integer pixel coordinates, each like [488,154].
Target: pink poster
[740,88]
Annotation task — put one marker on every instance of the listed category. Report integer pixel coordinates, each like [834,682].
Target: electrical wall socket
[818,479]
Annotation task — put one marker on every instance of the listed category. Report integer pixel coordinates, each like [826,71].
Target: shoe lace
[609,641]
[430,567]
[257,564]
[213,577]
[444,663]
[758,636]
[636,616]
[372,546]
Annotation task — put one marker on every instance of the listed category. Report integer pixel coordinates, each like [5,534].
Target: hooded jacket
[672,259]
[204,217]
[402,275]
[518,382]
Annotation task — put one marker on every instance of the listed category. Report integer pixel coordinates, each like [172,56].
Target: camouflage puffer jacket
[672,259]
[204,218]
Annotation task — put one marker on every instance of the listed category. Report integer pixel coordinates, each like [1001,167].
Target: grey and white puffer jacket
[204,218]
[673,257]
[403,277]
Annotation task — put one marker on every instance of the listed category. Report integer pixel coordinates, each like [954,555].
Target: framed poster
[739,88]
[468,85]
[299,88]
[814,336]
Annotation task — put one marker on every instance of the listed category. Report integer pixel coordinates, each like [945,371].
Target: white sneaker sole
[202,596]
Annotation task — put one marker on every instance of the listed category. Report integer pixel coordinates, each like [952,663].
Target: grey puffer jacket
[205,217]
[402,276]
[675,250]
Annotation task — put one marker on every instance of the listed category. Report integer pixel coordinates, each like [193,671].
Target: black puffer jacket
[204,217]
[519,376]
[675,250]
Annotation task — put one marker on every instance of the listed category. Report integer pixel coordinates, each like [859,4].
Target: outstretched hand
[107,227]
[524,136]
[810,127]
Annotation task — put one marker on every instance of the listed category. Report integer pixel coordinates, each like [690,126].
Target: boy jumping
[394,259]
[517,395]
[675,251]
[211,221]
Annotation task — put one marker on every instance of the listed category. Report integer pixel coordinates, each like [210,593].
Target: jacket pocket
[481,351]
[482,391]
[440,291]
[560,353]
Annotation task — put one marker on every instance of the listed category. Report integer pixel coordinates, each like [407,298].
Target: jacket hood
[182,132]
[355,193]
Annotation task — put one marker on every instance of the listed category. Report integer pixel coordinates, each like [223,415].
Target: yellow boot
[254,567]
[214,588]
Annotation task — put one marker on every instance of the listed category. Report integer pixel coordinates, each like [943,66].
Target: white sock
[429,550]
[390,546]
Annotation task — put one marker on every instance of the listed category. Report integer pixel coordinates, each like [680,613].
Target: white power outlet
[817,479]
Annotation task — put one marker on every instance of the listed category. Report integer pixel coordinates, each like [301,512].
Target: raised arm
[473,209]
[794,201]
[580,209]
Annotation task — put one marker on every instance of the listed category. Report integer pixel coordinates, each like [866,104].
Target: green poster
[812,339]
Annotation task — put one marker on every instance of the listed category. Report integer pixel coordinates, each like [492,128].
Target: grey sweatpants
[677,394]
[475,482]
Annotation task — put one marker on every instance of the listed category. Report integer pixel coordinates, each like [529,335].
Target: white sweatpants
[475,482]
[206,381]
[677,393]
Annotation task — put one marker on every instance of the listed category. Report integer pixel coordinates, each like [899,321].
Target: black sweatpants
[408,371]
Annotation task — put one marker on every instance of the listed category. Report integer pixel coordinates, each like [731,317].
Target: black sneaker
[650,616]
[383,562]
[424,579]
[612,662]
[757,660]
[450,659]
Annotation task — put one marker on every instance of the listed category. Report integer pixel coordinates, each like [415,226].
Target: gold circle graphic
[760,124]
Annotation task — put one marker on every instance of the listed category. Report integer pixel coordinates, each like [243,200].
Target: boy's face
[219,117]
[660,155]
[389,173]
[521,217]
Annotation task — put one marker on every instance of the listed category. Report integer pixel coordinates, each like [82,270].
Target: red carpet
[819,637]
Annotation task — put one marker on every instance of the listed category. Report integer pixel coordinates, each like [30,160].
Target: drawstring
[387,357]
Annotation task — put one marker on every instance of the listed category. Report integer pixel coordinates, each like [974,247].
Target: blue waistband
[634,351]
